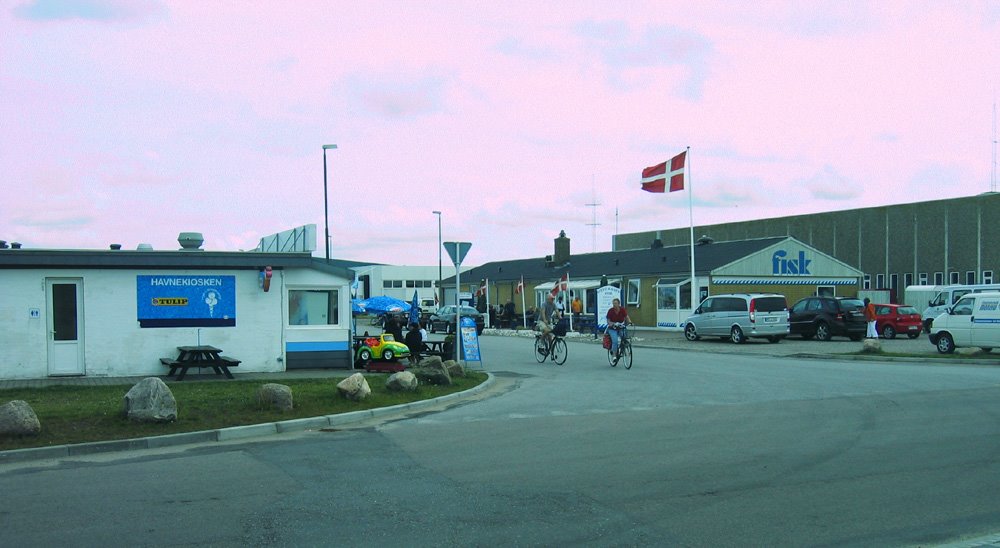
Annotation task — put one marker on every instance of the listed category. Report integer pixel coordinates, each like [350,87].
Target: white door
[65,326]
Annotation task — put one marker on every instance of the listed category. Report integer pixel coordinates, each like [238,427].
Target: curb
[231,433]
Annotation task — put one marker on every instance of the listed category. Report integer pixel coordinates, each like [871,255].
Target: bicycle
[624,347]
[555,349]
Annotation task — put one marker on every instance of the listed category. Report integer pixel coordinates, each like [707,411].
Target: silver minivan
[738,316]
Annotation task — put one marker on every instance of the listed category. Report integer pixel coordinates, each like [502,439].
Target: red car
[891,319]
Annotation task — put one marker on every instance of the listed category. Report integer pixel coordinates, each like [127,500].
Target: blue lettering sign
[186,301]
[782,266]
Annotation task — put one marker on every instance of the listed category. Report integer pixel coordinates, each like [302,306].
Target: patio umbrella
[356,307]
[382,305]
[414,309]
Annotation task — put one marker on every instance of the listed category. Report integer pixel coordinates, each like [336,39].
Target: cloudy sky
[131,121]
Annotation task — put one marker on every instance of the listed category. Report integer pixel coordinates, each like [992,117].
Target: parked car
[826,317]
[891,319]
[973,321]
[444,319]
[739,316]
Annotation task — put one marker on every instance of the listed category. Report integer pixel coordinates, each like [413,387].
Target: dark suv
[825,317]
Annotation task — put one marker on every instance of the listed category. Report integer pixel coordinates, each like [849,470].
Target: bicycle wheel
[559,351]
[541,352]
[626,358]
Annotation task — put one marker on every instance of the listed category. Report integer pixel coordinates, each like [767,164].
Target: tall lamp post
[326,206]
[440,290]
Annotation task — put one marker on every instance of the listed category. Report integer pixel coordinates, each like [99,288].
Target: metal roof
[653,261]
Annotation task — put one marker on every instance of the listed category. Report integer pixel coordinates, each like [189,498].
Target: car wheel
[945,344]
[364,356]
[823,331]
[736,335]
[888,332]
[913,335]
[388,355]
[690,333]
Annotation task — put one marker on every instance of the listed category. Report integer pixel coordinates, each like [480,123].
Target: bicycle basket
[607,342]
[560,329]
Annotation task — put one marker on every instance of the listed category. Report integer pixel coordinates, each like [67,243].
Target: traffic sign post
[457,251]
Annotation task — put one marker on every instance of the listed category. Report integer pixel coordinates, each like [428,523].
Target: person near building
[870,316]
[617,314]
[414,342]
[577,306]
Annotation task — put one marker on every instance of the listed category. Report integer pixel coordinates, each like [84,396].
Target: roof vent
[190,241]
[705,240]
[116,247]
[144,247]
[3,244]
[15,245]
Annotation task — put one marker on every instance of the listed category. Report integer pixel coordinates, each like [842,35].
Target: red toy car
[891,319]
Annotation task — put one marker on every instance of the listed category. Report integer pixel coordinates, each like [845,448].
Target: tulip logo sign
[781,265]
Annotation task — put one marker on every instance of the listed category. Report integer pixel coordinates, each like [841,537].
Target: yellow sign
[175,301]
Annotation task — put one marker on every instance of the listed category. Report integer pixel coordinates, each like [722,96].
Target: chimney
[15,245]
[561,255]
[116,247]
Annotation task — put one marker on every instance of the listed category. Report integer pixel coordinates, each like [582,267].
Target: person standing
[871,317]
[414,341]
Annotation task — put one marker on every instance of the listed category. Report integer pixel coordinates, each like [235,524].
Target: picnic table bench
[199,356]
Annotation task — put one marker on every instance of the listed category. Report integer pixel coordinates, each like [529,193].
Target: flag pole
[687,183]
[524,311]
[567,305]
[487,287]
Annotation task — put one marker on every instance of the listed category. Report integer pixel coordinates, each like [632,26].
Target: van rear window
[769,304]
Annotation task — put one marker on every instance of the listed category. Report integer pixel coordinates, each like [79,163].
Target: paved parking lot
[787,347]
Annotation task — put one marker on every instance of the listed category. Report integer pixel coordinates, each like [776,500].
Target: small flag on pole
[520,286]
[654,178]
[561,285]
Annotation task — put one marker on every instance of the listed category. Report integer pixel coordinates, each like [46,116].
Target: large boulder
[275,395]
[454,368]
[17,418]
[150,400]
[354,387]
[433,374]
[871,346]
[402,381]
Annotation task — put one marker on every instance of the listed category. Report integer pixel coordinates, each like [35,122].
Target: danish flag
[520,286]
[654,178]
[561,285]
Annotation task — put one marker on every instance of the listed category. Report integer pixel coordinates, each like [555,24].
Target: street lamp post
[326,206]
[440,276]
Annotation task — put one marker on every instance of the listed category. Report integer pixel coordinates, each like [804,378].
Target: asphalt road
[688,448]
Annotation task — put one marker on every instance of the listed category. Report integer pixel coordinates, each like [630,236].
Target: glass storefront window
[313,307]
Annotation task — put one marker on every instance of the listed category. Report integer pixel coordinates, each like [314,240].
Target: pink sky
[131,121]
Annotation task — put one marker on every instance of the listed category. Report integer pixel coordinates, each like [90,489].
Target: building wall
[941,236]
[115,345]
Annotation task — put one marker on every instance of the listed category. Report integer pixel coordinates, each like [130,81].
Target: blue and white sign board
[470,340]
[186,301]
[605,295]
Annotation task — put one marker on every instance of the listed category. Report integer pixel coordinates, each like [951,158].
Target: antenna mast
[993,177]
[593,216]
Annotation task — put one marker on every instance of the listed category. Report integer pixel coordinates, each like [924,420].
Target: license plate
[770,319]
[914,327]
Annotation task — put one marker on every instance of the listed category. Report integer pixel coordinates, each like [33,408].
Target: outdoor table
[199,356]
[435,347]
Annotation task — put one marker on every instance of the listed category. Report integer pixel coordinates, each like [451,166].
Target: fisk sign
[781,265]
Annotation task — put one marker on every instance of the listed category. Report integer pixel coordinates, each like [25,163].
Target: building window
[970,277]
[632,294]
[939,278]
[397,283]
[386,284]
[908,279]
[987,276]
[673,293]
[953,278]
[867,283]
[923,278]
[313,307]
[880,281]
[894,281]
[827,290]
[409,283]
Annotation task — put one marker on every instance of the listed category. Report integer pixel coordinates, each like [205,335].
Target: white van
[948,296]
[973,321]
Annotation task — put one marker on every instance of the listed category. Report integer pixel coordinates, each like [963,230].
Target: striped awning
[785,281]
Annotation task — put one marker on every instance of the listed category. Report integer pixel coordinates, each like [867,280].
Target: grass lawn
[79,414]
